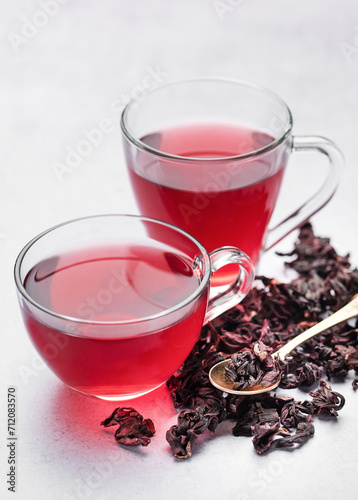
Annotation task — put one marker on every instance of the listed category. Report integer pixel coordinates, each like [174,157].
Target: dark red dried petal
[326,400]
[132,430]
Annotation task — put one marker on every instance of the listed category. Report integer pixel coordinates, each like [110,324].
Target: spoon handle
[346,312]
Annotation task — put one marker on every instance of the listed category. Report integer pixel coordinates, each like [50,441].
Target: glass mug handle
[320,198]
[234,294]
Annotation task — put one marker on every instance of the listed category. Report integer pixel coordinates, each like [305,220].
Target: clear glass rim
[21,289]
[145,147]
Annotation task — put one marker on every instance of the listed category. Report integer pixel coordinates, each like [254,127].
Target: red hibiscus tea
[115,303]
[102,286]
[219,202]
[209,154]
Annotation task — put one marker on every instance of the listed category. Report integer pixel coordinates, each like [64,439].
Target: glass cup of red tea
[115,303]
[209,155]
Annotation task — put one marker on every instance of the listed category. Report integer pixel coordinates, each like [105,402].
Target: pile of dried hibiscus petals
[273,313]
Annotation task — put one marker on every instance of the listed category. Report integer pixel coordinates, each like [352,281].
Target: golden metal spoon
[217,374]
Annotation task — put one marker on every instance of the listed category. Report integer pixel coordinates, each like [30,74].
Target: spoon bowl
[217,374]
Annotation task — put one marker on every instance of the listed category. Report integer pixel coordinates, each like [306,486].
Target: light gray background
[74,68]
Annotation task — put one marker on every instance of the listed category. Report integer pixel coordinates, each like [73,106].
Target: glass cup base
[116,397]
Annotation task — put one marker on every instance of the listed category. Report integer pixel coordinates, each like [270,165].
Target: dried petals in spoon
[218,376]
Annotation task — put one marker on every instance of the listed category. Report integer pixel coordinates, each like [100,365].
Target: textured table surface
[68,67]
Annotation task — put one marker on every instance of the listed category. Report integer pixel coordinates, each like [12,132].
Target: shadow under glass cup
[115,303]
[209,155]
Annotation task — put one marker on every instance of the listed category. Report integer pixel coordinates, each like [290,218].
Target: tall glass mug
[208,155]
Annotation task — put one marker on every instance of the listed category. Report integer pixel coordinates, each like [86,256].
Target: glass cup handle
[238,289]
[320,198]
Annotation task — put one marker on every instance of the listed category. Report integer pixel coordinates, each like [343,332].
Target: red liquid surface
[221,203]
[109,284]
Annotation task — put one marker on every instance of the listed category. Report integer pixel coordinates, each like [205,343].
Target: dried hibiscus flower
[132,430]
[270,315]
[327,401]
[254,366]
